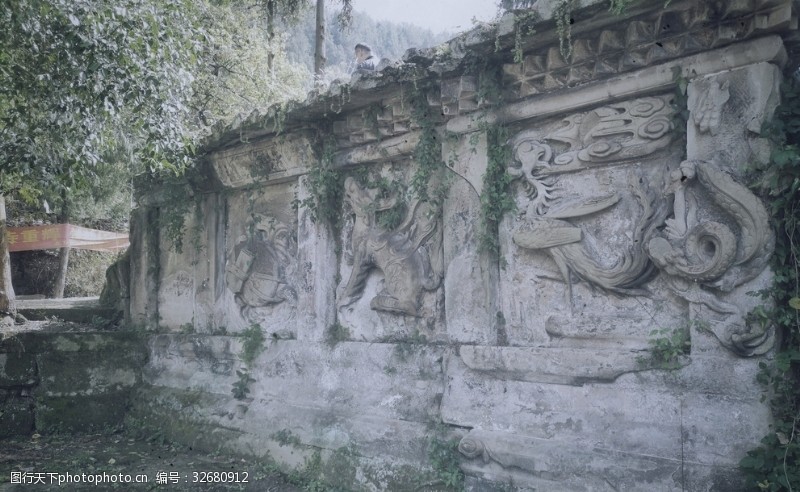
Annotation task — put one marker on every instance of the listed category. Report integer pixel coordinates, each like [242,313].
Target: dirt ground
[39,462]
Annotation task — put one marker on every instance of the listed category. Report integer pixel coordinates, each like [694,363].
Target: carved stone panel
[628,229]
[589,197]
[728,110]
[718,239]
[392,271]
[273,159]
[261,260]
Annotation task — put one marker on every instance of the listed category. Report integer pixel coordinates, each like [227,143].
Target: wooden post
[8,302]
[63,254]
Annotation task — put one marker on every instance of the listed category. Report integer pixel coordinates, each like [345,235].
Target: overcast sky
[437,15]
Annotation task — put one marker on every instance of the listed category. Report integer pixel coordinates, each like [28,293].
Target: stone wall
[391,327]
[57,380]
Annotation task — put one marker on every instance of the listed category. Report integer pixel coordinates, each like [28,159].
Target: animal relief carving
[704,254]
[717,238]
[410,255]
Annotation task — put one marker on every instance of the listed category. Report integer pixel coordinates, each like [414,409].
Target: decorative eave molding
[649,80]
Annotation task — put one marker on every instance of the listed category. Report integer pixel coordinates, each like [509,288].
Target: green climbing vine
[425,183]
[524,26]
[444,458]
[496,201]
[326,187]
[252,345]
[563,16]
[775,464]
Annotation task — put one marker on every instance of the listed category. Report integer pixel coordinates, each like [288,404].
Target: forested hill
[387,39]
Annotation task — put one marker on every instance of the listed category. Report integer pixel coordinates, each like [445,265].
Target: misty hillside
[387,39]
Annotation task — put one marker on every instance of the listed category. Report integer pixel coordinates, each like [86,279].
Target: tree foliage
[94,91]
[775,464]
[234,75]
[82,77]
[84,82]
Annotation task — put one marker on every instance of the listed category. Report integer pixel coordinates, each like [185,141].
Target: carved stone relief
[717,239]
[677,30]
[267,160]
[704,253]
[707,107]
[602,136]
[260,264]
[409,255]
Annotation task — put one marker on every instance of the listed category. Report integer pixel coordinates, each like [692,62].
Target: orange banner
[56,236]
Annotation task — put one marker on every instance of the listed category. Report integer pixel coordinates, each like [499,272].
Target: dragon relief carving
[704,255]
[260,263]
[409,255]
[700,256]
[605,135]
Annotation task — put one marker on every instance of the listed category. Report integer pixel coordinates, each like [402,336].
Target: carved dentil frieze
[410,255]
[260,264]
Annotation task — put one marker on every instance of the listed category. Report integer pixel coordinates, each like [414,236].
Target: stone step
[75,309]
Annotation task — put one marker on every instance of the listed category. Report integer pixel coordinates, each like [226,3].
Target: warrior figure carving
[259,265]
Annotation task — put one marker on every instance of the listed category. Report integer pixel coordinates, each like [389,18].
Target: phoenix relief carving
[409,255]
[602,136]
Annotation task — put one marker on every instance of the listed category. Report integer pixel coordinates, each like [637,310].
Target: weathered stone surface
[733,124]
[767,49]
[316,302]
[63,381]
[17,369]
[647,419]
[87,373]
[275,159]
[88,413]
[606,348]
[552,365]
[356,394]
[16,414]
[144,267]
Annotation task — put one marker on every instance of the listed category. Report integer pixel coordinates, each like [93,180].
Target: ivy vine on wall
[775,464]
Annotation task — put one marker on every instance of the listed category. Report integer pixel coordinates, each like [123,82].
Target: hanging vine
[563,16]
[775,465]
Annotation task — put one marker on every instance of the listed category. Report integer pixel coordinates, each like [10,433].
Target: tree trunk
[63,255]
[8,302]
[270,34]
[319,48]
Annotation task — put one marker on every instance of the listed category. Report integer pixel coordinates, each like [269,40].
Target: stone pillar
[144,268]
[317,265]
[470,281]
